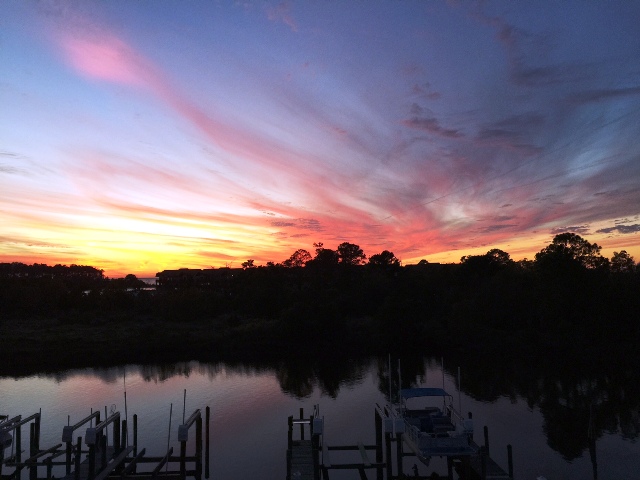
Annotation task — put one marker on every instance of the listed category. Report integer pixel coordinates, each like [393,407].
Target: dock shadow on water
[560,420]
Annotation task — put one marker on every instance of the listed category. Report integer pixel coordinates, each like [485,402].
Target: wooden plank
[149,476]
[352,466]
[494,471]
[83,472]
[363,474]
[131,467]
[301,460]
[325,455]
[363,453]
[164,460]
[114,464]
[43,453]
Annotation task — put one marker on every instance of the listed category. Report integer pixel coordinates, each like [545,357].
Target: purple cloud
[431,125]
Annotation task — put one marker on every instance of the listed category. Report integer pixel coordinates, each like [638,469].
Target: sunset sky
[137,136]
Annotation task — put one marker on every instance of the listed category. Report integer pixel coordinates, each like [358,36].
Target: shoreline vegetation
[569,304]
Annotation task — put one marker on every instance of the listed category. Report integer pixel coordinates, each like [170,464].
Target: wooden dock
[105,454]
[483,467]
[303,453]
[309,458]
[486,468]
[301,463]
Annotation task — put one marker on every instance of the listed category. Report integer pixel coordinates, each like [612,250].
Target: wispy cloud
[591,96]
[209,135]
[282,13]
[579,229]
[431,125]
[624,229]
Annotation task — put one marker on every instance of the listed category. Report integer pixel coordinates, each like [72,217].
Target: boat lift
[105,454]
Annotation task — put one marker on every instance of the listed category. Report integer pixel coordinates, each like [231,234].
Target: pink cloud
[282,13]
[99,54]
[105,57]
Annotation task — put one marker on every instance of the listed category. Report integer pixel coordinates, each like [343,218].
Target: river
[544,416]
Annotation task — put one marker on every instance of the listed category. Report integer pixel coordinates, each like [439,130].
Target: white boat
[433,428]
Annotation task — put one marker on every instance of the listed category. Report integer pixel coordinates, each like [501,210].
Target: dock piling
[33,469]
[379,454]
[206,450]
[301,424]
[399,454]
[135,434]
[77,459]
[486,439]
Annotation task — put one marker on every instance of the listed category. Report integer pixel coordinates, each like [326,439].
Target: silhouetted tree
[248,264]
[324,256]
[297,259]
[129,281]
[622,262]
[567,248]
[499,257]
[384,258]
[489,263]
[350,254]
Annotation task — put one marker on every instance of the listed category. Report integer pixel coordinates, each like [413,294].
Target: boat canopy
[423,392]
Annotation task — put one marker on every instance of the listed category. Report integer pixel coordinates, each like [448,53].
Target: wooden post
[387,442]
[77,459]
[301,424]
[123,439]
[69,447]
[399,448]
[135,435]
[510,460]
[33,468]
[92,462]
[315,450]
[37,432]
[290,433]
[116,437]
[32,439]
[183,454]
[486,439]
[483,462]
[379,457]
[18,439]
[206,453]
[199,447]
[103,445]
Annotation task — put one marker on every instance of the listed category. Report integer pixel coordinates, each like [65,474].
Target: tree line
[568,299]
[346,254]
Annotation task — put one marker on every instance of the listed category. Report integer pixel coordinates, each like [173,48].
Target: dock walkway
[301,460]
[490,471]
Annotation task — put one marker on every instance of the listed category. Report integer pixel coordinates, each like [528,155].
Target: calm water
[544,417]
